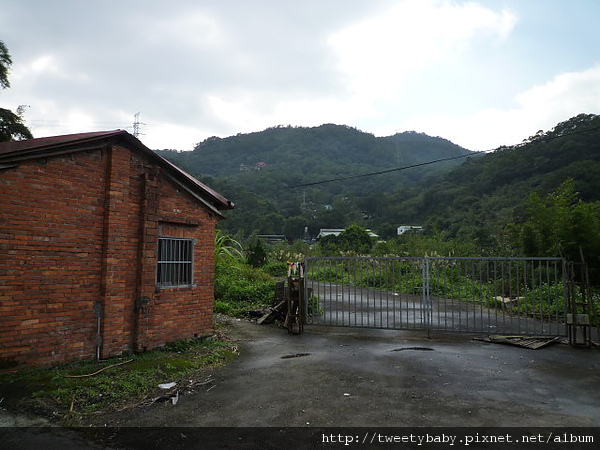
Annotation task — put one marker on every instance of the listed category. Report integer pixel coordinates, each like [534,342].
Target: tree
[12,127]
[256,254]
[353,239]
[561,224]
[5,63]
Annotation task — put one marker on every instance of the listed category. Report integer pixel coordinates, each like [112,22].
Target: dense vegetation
[259,172]
[472,199]
[243,289]
[480,200]
[540,197]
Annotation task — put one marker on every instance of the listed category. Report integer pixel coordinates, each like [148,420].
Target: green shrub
[314,306]
[331,274]
[275,268]
[241,289]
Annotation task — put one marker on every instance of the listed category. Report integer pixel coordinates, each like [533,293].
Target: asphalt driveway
[340,377]
[330,377]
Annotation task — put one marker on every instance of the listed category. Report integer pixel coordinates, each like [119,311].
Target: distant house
[105,248]
[337,231]
[405,228]
[258,166]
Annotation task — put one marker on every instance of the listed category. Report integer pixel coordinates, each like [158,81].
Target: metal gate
[516,296]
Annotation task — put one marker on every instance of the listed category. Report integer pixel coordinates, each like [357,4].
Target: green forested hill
[305,152]
[474,198]
[542,162]
[258,172]
[477,200]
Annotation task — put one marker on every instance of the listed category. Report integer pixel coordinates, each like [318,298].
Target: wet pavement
[369,307]
[331,376]
[348,377]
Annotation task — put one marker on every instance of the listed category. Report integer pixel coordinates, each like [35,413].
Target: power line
[397,169]
[381,172]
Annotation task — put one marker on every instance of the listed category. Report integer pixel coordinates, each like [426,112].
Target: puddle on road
[418,349]
[295,355]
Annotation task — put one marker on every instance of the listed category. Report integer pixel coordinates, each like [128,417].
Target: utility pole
[136,124]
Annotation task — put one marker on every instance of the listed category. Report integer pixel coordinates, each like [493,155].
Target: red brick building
[105,248]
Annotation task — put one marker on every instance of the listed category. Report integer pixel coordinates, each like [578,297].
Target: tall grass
[239,287]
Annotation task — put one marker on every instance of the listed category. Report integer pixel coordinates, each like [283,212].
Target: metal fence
[517,296]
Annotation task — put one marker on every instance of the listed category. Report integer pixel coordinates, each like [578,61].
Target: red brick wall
[183,312]
[174,313]
[50,243]
[81,230]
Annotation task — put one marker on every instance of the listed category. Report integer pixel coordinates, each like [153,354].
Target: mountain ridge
[282,144]
[472,196]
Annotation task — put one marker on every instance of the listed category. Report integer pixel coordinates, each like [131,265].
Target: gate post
[580,310]
[426,296]
[294,320]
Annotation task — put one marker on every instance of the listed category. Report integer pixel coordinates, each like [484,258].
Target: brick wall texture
[78,253]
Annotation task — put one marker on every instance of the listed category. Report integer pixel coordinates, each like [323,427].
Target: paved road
[356,377]
[344,305]
[343,377]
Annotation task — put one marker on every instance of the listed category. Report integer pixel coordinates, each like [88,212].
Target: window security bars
[175,266]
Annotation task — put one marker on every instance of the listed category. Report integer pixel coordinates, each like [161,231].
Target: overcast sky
[479,73]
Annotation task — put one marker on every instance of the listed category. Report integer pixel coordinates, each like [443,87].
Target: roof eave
[56,145]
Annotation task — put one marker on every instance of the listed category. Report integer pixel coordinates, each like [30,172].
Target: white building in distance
[404,228]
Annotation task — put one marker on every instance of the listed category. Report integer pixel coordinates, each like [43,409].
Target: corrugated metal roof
[14,151]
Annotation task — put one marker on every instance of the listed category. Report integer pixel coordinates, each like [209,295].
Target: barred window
[175,262]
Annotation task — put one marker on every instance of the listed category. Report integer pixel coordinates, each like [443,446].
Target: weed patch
[69,392]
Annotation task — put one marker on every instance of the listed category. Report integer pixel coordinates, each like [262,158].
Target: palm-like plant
[227,250]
